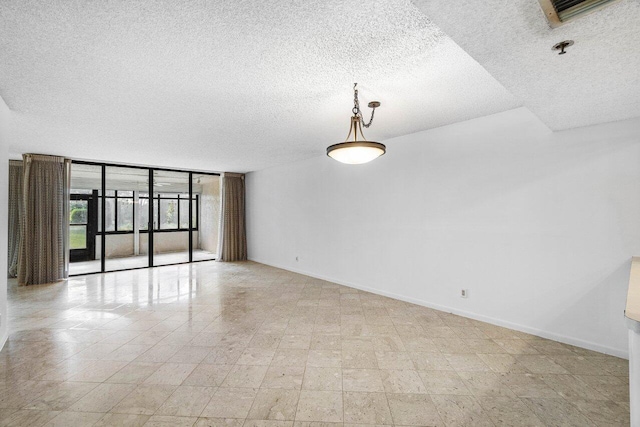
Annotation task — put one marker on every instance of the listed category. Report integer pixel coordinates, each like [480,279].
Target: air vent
[559,12]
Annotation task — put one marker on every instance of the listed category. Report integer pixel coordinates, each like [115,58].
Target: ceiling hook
[562,46]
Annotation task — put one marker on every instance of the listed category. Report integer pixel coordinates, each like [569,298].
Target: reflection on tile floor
[213,344]
[141,261]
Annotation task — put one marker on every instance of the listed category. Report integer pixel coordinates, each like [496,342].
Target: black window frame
[116,197]
[156,213]
[101,210]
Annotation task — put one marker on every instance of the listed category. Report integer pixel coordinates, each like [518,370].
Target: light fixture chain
[356,108]
[373,111]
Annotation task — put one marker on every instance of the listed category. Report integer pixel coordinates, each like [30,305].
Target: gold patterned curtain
[232,245]
[44,229]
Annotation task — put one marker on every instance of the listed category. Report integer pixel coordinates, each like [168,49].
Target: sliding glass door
[206,189]
[152,217]
[171,217]
[126,213]
[84,219]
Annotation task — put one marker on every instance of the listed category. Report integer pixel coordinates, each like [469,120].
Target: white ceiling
[216,85]
[244,85]
[597,81]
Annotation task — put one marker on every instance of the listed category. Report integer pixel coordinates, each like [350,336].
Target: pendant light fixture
[356,149]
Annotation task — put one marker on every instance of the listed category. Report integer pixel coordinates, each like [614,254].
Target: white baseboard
[623,353]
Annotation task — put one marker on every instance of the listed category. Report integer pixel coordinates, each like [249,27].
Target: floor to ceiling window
[152,217]
[207,206]
[123,205]
[84,236]
[172,223]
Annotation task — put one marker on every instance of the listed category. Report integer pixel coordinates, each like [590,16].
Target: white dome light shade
[355,153]
[356,149]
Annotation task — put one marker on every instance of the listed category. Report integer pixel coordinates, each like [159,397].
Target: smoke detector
[559,12]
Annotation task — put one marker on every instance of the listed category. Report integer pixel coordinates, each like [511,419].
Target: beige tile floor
[242,344]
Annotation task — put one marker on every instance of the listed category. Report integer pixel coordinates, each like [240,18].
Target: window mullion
[115,212]
[179,225]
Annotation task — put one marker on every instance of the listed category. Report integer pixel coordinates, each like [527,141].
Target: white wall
[122,245]
[4,196]
[175,241]
[538,226]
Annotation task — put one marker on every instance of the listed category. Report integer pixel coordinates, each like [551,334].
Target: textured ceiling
[216,85]
[597,81]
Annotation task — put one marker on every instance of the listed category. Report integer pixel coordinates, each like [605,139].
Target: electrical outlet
[464,293]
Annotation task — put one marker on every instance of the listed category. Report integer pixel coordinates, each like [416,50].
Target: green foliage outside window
[78,216]
[78,212]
